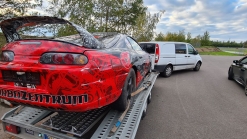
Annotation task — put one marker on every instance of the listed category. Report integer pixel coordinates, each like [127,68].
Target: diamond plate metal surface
[28,115]
[75,123]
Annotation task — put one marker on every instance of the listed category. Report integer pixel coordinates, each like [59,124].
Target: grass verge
[219,53]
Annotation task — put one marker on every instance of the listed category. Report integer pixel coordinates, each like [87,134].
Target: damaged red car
[54,64]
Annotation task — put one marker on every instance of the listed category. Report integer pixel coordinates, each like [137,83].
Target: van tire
[198,66]
[129,86]
[167,71]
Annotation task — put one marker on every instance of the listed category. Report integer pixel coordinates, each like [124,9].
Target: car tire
[198,66]
[167,71]
[230,74]
[129,86]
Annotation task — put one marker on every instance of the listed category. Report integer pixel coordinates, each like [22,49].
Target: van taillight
[12,128]
[157,53]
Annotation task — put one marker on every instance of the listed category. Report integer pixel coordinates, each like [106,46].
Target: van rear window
[148,47]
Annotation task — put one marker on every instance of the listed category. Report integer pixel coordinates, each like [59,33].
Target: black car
[238,72]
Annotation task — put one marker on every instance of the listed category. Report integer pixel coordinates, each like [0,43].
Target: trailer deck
[30,123]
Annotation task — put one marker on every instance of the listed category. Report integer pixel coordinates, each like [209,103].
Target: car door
[181,56]
[191,57]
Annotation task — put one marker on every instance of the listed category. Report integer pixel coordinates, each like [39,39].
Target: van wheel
[129,86]
[197,67]
[168,71]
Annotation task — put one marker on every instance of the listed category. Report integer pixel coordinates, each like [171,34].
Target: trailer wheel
[129,86]
[144,112]
[149,97]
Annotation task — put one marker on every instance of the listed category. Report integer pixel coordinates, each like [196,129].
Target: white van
[172,56]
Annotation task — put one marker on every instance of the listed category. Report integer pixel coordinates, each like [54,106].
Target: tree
[181,36]
[205,39]
[100,15]
[160,37]
[196,42]
[146,23]
[13,8]
[188,39]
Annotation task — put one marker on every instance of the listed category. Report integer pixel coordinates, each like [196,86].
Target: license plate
[29,131]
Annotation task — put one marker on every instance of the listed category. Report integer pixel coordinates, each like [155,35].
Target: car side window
[244,61]
[180,49]
[134,44]
[191,50]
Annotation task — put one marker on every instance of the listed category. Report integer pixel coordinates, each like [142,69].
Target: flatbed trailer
[33,123]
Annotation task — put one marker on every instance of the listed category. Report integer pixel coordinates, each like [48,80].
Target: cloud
[223,19]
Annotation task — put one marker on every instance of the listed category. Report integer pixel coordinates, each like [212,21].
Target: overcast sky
[224,19]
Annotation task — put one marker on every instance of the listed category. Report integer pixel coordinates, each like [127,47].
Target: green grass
[219,53]
[206,47]
[233,49]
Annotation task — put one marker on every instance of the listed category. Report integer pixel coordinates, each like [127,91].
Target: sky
[223,19]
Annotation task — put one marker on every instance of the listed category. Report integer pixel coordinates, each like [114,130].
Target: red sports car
[54,64]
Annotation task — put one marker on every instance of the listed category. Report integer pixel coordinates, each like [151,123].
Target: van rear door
[149,48]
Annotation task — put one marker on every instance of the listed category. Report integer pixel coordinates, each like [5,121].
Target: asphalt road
[192,105]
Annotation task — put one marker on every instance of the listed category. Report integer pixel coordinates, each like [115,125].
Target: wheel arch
[200,61]
[170,64]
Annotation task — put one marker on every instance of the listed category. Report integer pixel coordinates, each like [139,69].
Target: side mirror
[195,52]
[235,61]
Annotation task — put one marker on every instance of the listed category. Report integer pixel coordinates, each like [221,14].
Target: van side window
[148,47]
[180,49]
[191,50]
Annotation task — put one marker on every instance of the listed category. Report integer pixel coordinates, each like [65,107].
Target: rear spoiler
[10,27]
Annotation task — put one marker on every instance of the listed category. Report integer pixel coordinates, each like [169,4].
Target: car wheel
[230,74]
[168,71]
[197,67]
[129,86]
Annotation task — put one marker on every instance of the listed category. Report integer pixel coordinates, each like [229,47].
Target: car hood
[10,27]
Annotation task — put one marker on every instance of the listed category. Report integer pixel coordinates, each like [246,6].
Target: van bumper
[159,68]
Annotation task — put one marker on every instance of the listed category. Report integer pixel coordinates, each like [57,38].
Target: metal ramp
[130,123]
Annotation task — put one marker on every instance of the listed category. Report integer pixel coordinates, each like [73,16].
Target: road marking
[180,99]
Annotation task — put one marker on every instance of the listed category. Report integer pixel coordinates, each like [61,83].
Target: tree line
[199,40]
[124,16]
